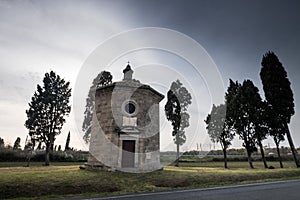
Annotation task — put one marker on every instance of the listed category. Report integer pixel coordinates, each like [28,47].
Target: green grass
[37,164]
[234,165]
[70,180]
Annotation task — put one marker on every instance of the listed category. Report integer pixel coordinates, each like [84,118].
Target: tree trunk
[177,153]
[51,142]
[246,142]
[262,154]
[279,156]
[177,156]
[47,160]
[28,160]
[225,158]
[293,149]
[249,159]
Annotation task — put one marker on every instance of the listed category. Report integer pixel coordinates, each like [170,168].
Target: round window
[130,108]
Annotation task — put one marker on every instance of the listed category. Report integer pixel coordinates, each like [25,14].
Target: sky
[64,36]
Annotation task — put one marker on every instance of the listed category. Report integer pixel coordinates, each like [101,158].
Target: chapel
[125,133]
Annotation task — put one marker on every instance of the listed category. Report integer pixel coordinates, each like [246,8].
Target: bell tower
[127,73]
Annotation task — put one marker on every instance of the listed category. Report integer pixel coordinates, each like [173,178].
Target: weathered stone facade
[125,133]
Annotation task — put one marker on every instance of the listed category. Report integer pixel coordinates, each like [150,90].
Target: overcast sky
[38,36]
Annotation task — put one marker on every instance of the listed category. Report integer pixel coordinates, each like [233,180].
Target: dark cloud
[236,33]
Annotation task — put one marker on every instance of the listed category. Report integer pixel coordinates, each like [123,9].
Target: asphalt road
[280,190]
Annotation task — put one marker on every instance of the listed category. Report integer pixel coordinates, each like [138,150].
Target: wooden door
[128,153]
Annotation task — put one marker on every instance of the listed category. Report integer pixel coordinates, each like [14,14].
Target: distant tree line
[31,145]
[269,151]
[246,115]
[32,152]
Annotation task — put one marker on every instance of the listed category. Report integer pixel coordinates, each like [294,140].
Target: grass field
[57,180]
[37,164]
[235,165]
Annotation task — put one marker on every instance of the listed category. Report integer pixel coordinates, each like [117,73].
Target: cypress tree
[219,130]
[279,95]
[178,101]
[67,147]
[102,79]
[17,144]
